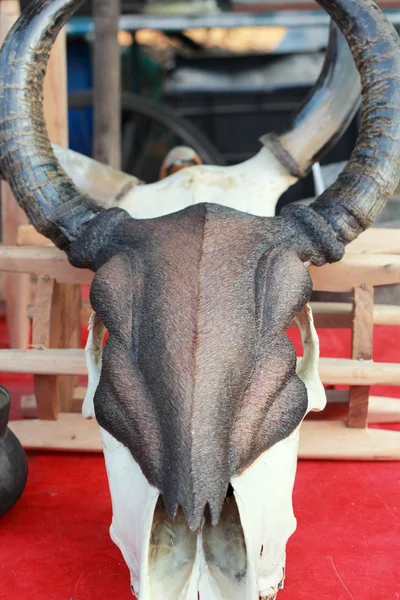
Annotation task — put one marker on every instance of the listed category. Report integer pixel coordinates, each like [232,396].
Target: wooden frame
[323,435]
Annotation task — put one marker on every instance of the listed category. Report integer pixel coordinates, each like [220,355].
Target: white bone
[103,183]
[263,495]
[254,187]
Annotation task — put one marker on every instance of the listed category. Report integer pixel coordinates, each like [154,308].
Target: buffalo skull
[197,391]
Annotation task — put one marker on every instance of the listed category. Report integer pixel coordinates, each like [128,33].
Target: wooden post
[55,326]
[17,289]
[55,96]
[107,83]
[56,322]
[363,325]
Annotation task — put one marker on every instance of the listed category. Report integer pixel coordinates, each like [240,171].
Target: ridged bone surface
[198,376]
[243,558]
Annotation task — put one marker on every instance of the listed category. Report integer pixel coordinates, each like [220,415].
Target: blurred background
[214,74]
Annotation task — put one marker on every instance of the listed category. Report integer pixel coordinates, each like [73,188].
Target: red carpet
[54,545]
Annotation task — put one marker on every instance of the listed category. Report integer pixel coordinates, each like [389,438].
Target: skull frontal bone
[198,376]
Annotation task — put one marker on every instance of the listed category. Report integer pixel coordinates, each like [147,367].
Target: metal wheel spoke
[143,124]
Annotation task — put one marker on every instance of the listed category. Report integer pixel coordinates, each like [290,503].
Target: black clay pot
[13,461]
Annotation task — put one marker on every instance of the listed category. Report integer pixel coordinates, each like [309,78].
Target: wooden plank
[16,289]
[354,270]
[332,315]
[386,314]
[55,97]
[380,410]
[43,362]
[318,439]
[333,371]
[345,371]
[333,440]
[45,386]
[66,310]
[363,327]
[339,314]
[42,261]
[376,241]
[70,433]
[29,407]
[372,241]
[107,83]
[28,236]
[55,325]
[383,410]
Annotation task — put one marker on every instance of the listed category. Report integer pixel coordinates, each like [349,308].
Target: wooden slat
[345,371]
[107,82]
[386,314]
[318,439]
[381,409]
[72,362]
[363,327]
[42,261]
[29,407]
[28,236]
[43,362]
[339,314]
[56,324]
[55,97]
[355,270]
[326,314]
[43,336]
[334,441]
[333,315]
[376,241]
[70,433]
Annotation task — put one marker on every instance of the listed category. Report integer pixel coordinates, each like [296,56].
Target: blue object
[80,120]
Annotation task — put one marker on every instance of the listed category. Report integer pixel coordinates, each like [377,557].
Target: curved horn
[352,203]
[106,185]
[325,114]
[54,205]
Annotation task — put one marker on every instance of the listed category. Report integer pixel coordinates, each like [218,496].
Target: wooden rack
[341,432]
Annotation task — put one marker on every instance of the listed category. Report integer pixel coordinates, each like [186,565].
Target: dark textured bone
[54,205]
[198,375]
